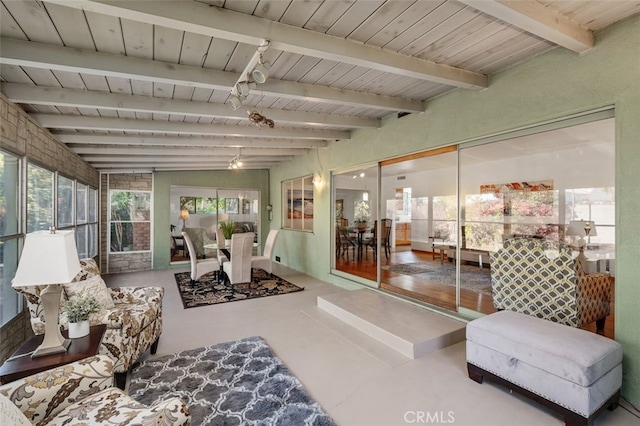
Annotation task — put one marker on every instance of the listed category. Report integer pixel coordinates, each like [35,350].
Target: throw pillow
[10,414]
[93,285]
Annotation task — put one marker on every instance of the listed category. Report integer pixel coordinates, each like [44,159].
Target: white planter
[78,329]
[227,244]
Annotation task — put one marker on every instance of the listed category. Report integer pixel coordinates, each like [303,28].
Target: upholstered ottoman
[574,372]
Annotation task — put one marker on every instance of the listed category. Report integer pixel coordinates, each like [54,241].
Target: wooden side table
[20,364]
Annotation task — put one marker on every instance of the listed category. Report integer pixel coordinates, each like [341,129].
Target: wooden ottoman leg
[475,373]
[154,346]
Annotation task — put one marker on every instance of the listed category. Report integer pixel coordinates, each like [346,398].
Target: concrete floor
[354,379]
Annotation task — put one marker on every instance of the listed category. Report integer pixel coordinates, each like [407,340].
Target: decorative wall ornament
[260,120]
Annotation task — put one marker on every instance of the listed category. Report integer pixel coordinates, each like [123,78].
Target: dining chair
[221,243]
[386,236]
[264,261]
[238,268]
[344,242]
[385,239]
[199,267]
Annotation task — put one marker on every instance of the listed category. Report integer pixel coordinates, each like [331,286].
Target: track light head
[244,87]
[261,72]
[235,102]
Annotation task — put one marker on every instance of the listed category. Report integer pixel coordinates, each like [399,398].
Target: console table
[20,364]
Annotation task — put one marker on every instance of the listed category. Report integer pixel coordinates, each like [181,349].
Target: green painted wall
[551,86]
[163,181]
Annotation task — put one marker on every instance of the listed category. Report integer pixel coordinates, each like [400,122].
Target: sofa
[133,316]
[81,392]
[543,279]
[242,227]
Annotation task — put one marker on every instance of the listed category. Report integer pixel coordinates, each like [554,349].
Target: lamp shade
[47,258]
[184,214]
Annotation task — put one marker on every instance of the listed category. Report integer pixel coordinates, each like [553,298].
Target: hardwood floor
[434,293]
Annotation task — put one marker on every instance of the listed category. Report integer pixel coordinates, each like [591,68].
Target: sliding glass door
[449,209]
[419,196]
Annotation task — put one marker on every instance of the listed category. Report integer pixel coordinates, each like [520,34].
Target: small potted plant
[227,229]
[79,308]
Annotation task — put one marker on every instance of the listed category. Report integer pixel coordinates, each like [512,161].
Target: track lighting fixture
[261,71]
[256,72]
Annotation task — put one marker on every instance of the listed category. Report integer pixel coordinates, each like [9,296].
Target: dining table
[359,233]
[225,251]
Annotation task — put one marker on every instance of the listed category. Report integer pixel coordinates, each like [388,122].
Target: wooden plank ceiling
[146,85]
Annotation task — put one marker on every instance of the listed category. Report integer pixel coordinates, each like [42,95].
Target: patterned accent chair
[133,326]
[81,392]
[542,279]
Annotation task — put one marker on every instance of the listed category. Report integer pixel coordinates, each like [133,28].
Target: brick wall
[125,262]
[14,333]
[22,136]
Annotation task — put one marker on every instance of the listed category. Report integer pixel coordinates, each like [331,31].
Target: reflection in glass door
[419,195]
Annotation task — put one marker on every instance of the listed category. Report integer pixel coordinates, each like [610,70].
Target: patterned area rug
[234,383]
[207,291]
[471,277]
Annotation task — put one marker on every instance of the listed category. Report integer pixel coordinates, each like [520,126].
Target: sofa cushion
[576,355]
[93,285]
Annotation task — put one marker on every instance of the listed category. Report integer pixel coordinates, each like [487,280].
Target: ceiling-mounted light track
[256,71]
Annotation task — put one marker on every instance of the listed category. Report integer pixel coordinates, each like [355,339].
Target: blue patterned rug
[234,383]
[471,277]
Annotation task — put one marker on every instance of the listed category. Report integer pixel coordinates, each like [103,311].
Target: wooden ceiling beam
[199,18]
[106,139]
[75,98]
[186,152]
[59,58]
[538,19]
[55,121]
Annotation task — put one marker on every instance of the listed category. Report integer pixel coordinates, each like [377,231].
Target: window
[130,221]
[445,212]
[596,205]
[92,222]
[297,197]
[9,234]
[65,202]
[39,198]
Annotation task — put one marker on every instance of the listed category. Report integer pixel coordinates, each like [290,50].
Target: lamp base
[53,342]
[42,351]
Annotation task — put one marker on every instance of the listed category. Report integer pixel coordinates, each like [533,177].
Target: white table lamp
[581,229]
[49,257]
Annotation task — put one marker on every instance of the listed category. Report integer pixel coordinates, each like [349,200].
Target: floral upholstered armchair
[133,316]
[542,279]
[81,393]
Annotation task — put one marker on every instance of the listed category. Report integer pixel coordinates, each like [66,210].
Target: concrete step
[411,330]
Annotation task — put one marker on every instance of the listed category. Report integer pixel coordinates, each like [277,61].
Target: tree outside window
[130,221]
